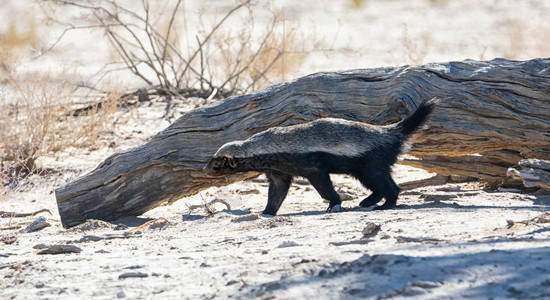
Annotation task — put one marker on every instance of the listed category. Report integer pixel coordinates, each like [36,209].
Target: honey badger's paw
[335,208]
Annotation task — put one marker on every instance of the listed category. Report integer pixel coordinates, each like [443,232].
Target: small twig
[262,73]
[15,227]
[10,214]
[220,201]
[208,206]
[211,33]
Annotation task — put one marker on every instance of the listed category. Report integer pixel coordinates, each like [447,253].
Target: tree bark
[492,114]
[534,173]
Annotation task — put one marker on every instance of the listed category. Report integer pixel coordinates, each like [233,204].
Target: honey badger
[318,148]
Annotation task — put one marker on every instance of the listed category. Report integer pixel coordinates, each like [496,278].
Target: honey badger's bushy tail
[422,114]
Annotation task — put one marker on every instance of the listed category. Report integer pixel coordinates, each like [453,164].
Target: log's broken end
[533,173]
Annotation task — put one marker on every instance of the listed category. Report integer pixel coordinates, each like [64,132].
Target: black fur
[372,167]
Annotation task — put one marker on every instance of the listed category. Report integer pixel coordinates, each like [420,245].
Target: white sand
[444,241]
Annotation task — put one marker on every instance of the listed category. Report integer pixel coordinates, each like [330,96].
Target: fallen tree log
[496,109]
[534,173]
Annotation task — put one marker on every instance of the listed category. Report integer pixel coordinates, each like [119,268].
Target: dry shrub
[253,62]
[282,57]
[19,35]
[522,41]
[37,118]
[356,3]
[416,49]
[228,55]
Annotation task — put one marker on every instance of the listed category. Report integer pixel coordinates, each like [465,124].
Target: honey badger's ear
[231,161]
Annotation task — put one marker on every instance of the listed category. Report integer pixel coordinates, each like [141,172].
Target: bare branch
[214,29]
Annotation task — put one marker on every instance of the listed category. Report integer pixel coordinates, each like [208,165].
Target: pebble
[38,224]
[371,229]
[249,217]
[60,249]
[40,246]
[287,244]
[132,275]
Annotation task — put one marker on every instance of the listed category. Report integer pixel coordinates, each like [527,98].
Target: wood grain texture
[533,173]
[499,106]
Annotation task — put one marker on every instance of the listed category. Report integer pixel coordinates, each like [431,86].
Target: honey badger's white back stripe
[335,136]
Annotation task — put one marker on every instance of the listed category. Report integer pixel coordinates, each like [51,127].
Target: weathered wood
[534,172]
[489,165]
[499,106]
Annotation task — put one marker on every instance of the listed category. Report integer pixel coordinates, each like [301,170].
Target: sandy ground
[446,240]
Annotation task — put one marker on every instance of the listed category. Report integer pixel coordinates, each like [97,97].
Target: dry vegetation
[177,50]
[247,46]
[163,49]
[38,112]
[37,118]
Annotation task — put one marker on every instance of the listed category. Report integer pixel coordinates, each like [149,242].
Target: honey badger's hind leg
[322,183]
[391,192]
[382,186]
[279,183]
[371,200]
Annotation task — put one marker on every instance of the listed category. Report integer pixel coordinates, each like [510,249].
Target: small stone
[288,244]
[426,284]
[121,294]
[38,224]
[380,260]
[231,282]
[249,217]
[133,275]
[40,246]
[371,229]
[8,240]
[120,227]
[90,238]
[60,249]
[265,252]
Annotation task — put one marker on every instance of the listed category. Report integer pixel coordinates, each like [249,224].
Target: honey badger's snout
[218,166]
[209,169]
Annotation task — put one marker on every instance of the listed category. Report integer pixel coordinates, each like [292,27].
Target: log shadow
[455,205]
[432,204]
[307,213]
[521,273]
[196,217]
[542,200]
[131,221]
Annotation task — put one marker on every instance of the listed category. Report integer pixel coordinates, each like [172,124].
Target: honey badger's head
[225,160]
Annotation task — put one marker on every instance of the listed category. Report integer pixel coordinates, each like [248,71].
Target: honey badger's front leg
[322,183]
[279,183]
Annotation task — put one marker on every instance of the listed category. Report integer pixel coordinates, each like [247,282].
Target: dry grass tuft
[356,3]
[416,49]
[37,119]
[18,36]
